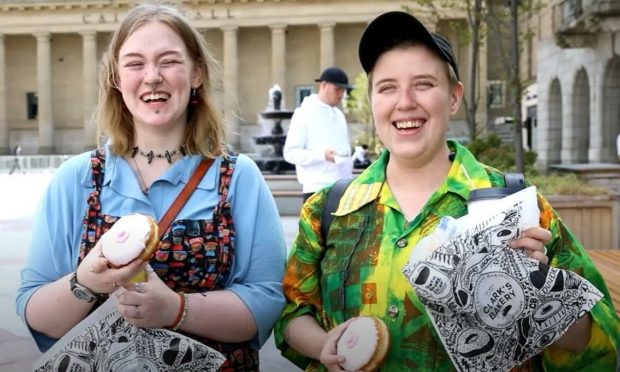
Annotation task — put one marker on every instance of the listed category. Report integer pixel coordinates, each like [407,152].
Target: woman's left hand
[150,304]
[533,241]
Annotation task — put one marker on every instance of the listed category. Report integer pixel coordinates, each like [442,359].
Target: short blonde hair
[452,77]
[204,133]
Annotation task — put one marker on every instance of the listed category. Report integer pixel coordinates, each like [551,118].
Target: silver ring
[139,287]
[149,270]
[137,312]
[545,250]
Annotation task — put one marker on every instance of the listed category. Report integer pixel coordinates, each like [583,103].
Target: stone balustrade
[33,162]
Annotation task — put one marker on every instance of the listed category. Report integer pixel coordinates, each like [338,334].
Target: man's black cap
[335,76]
[393,28]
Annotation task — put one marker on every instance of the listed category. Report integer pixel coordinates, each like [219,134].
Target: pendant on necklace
[150,155]
[168,156]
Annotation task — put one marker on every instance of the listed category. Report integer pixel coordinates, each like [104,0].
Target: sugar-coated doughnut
[131,236]
[364,344]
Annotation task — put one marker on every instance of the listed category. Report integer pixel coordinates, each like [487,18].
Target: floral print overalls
[194,256]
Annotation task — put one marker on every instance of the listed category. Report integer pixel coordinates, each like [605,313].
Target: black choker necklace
[150,155]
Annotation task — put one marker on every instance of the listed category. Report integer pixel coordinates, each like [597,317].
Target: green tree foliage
[566,184]
[358,103]
[358,107]
[491,151]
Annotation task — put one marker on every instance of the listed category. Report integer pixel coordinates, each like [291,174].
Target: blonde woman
[217,273]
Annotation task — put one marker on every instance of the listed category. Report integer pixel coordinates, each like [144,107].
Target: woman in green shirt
[357,269]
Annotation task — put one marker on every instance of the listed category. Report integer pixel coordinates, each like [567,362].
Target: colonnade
[45,116]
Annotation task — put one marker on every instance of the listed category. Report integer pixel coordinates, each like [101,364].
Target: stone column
[278,55]
[597,107]
[44,93]
[541,139]
[89,71]
[327,45]
[5,147]
[568,150]
[231,85]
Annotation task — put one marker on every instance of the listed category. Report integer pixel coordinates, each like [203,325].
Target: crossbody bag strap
[333,199]
[183,196]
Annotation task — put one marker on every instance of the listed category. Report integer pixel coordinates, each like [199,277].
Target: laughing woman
[356,269]
[156,111]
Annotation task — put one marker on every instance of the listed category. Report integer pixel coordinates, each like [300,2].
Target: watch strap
[76,285]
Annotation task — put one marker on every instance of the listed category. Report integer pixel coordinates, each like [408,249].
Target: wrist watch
[80,292]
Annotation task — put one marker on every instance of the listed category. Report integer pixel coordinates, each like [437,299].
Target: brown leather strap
[183,196]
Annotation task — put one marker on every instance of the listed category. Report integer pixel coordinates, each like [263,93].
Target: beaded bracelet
[182,314]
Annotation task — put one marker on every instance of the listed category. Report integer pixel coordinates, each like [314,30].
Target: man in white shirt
[317,141]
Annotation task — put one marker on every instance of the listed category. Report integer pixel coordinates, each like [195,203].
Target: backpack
[514,181]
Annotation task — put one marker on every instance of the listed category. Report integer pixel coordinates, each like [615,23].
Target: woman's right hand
[329,354]
[95,274]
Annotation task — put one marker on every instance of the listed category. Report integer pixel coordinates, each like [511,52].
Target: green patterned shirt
[369,242]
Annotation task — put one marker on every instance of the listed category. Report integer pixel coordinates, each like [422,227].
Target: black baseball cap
[335,76]
[391,29]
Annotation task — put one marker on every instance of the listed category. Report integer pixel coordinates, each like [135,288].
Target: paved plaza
[19,195]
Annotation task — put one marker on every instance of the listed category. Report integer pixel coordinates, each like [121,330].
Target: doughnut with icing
[131,236]
[364,344]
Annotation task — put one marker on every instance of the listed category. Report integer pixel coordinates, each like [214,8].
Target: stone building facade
[577,108]
[49,52]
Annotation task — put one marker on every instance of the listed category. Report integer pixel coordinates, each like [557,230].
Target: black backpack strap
[333,198]
[514,181]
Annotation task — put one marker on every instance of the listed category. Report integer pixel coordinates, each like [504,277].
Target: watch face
[82,294]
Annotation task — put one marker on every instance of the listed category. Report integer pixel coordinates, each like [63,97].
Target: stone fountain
[272,160]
